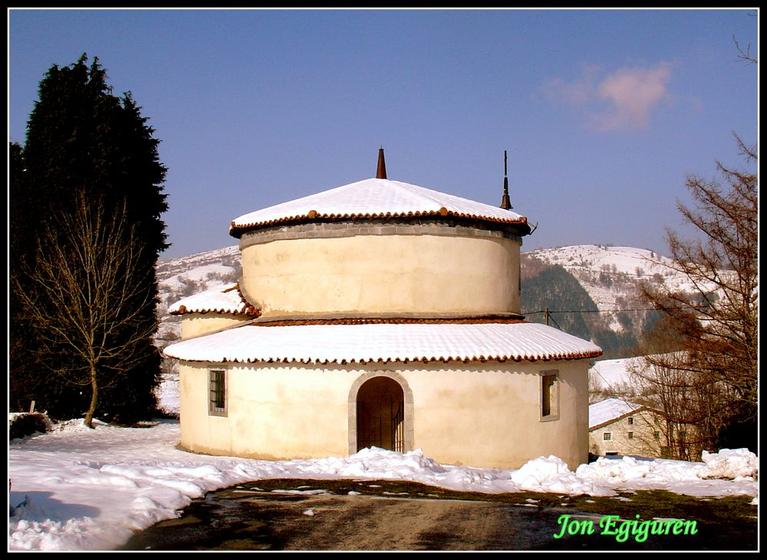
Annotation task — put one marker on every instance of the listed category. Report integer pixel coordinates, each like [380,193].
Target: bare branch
[702,363]
[88,296]
[744,54]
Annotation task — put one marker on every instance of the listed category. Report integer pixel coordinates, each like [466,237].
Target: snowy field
[81,489]
[614,374]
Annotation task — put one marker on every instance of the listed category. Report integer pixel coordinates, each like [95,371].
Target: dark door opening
[381,415]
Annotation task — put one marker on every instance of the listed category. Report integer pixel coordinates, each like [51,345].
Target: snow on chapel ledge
[382,342]
[227,299]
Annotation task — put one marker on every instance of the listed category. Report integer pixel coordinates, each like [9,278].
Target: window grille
[398,427]
[217,403]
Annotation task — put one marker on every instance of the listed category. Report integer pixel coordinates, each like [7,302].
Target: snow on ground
[614,374]
[624,375]
[198,274]
[87,489]
[168,394]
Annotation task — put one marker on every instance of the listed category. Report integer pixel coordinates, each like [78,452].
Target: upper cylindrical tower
[381,248]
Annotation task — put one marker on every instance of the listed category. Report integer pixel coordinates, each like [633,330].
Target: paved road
[331,522]
[272,515]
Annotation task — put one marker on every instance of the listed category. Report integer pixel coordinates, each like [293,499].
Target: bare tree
[688,405]
[85,297]
[745,53]
[715,324]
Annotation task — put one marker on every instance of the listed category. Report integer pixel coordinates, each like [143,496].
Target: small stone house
[380,313]
[620,427]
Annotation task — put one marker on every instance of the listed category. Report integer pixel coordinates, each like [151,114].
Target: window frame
[216,376]
[607,436]
[553,400]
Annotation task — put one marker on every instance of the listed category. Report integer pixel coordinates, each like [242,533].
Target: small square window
[631,420]
[631,435]
[607,436]
[217,402]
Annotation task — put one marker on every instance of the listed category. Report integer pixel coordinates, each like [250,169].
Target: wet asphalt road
[351,523]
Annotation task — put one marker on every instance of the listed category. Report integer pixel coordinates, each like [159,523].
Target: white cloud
[623,99]
[632,94]
[574,93]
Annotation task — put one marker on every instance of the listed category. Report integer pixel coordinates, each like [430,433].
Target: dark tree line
[553,287]
[573,311]
[85,232]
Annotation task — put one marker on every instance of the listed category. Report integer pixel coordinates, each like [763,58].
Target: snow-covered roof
[226,299]
[608,410]
[374,198]
[385,342]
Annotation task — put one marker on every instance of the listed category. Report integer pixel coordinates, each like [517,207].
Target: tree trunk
[94,398]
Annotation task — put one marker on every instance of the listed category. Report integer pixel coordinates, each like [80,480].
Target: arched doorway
[381,414]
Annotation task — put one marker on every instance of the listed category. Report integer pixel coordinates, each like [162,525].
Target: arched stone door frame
[352,407]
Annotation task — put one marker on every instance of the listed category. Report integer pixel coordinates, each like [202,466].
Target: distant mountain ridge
[605,270]
[614,316]
[184,276]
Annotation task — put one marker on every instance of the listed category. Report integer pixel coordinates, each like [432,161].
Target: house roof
[385,342]
[609,410]
[375,198]
[226,299]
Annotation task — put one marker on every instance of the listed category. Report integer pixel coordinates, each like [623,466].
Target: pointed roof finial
[381,171]
[505,200]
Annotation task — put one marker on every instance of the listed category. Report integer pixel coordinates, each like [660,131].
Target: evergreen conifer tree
[23,383]
[83,142]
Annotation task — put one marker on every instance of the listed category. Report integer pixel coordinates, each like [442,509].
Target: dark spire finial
[381,171]
[505,200]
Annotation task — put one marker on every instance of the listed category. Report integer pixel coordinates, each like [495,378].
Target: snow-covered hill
[179,278]
[612,275]
[590,262]
[185,276]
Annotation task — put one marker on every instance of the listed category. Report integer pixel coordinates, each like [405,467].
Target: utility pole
[546,314]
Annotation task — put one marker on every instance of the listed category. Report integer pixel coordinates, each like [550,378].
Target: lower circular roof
[385,342]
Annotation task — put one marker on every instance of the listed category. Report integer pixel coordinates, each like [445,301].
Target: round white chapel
[385,314]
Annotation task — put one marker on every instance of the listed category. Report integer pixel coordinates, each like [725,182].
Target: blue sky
[604,112]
